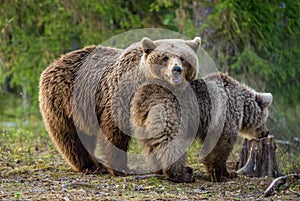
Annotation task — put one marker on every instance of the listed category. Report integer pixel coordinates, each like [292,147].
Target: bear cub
[224,107]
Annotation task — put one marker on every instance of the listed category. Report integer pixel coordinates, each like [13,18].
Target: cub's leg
[164,143]
[215,161]
[166,158]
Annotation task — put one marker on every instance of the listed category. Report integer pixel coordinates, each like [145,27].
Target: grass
[32,169]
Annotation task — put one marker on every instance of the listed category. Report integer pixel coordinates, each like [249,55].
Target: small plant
[289,163]
[17,195]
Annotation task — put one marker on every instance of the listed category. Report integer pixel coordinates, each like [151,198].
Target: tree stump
[258,158]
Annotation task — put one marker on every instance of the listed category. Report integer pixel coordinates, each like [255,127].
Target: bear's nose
[176,70]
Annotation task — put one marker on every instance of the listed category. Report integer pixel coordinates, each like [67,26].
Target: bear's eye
[165,59]
[182,59]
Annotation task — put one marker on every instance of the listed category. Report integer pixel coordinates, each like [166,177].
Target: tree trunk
[258,158]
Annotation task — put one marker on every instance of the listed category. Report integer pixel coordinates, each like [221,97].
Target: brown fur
[160,125]
[224,108]
[245,111]
[56,86]
[66,91]
[163,120]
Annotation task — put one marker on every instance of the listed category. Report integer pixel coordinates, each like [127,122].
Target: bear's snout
[176,70]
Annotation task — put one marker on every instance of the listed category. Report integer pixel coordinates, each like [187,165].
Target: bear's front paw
[184,177]
[95,169]
[189,169]
[222,176]
[232,174]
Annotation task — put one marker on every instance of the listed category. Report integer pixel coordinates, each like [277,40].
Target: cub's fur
[224,108]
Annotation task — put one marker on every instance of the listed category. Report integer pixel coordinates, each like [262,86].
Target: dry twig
[276,183]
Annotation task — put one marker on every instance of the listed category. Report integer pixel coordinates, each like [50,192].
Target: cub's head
[172,60]
[255,115]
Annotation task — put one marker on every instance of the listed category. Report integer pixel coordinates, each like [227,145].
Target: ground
[32,169]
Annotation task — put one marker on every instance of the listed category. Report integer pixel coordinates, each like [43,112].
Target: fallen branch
[276,183]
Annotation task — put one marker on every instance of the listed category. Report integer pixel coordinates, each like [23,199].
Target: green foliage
[290,163]
[254,40]
[34,33]
[13,136]
[259,38]
[259,41]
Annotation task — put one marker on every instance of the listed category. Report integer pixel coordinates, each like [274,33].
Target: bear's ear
[264,99]
[148,45]
[194,44]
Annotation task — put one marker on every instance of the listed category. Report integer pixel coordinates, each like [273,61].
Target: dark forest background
[255,41]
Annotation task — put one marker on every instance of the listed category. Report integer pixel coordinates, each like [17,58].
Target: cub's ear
[194,44]
[264,99]
[148,45]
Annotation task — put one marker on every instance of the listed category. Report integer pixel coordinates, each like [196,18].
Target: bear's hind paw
[95,170]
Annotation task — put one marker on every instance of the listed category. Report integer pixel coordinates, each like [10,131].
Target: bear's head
[171,60]
[255,115]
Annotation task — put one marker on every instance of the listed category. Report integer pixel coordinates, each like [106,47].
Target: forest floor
[32,169]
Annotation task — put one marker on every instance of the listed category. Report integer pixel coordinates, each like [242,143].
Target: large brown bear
[224,108]
[82,97]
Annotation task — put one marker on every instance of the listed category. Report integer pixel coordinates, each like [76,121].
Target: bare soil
[34,170]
